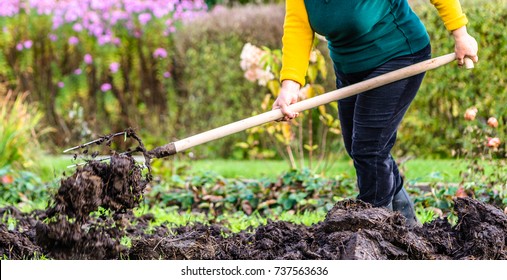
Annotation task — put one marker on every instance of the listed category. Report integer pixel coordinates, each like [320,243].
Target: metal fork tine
[82,145]
[94,141]
[101,159]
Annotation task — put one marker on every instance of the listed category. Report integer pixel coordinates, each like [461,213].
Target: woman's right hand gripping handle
[288,95]
[465,47]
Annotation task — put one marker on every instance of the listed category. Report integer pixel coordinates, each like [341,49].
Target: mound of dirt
[71,232]
[92,214]
[351,230]
[117,186]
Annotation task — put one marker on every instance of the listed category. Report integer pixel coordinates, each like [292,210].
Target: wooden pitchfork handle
[220,132]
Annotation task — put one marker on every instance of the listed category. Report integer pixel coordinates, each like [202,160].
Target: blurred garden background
[72,71]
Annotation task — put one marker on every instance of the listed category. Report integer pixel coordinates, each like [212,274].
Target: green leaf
[242,145]
[288,204]
[312,74]
[311,148]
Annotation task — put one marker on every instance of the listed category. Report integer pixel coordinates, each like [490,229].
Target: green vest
[364,34]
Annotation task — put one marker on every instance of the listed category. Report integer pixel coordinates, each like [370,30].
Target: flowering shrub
[434,123]
[263,66]
[484,176]
[480,135]
[110,56]
[99,18]
[483,148]
[252,65]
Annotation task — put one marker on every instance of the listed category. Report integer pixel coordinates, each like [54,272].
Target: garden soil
[351,230]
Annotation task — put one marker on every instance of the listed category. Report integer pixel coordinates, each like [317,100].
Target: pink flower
[250,75]
[105,87]
[144,18]
[219,9]
[6,179]
[116,41]
[53,37]
[167,75]
[78,71]
[97,30]
[27,44]
[493,142]
[60,84]
[77,27]
[250,56]
[160,53]
[171,29]
[263,76]
[137,34]
[493,122]
[19,46]
[88,59]
[73,40]
[470,114]
[113,67]
[104,39]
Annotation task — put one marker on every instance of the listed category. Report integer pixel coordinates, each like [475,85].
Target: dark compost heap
[351,230]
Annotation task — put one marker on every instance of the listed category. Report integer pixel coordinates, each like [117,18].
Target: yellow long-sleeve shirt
[361,34]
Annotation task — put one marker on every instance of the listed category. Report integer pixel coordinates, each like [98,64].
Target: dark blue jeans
[369,123]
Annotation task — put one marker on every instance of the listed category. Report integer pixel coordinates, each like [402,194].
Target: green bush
[19,150]
[24,189]
[211,89]
[18,141]
[434,124]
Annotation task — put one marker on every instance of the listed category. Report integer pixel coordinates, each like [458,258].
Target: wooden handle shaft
[469,63]
[316,101]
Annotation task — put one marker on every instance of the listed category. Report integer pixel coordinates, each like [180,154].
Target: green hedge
[434,124]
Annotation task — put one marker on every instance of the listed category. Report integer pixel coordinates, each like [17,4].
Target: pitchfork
[274,115]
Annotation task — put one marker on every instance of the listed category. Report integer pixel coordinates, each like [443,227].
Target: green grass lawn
[416,170]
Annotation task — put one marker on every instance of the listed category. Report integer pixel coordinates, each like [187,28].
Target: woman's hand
[288,95]
[465,45]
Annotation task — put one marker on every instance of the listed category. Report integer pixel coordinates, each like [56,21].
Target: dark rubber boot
[389,206]
[403,204]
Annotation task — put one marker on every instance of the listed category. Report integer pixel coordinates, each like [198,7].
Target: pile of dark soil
[92,212]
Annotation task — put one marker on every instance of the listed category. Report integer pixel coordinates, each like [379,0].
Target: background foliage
[435,123]
[198,84]
[211,88]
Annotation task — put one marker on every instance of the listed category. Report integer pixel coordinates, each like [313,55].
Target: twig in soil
[172,240]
